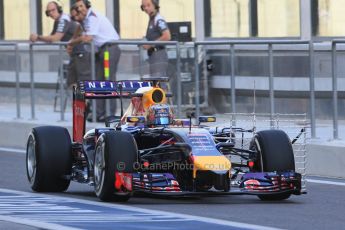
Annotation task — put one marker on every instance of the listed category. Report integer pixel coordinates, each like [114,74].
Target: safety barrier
[15,45]
[335,88]
[32,77]
[62,92]
[232,50]
[139,44]
[269,43]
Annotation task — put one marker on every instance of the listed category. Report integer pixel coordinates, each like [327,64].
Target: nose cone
[211,163]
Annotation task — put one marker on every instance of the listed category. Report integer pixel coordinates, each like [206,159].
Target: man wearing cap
[80,64]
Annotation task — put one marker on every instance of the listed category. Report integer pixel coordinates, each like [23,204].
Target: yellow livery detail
[211,163]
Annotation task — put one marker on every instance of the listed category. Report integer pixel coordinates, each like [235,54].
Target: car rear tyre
[48,159]
[276,154]
[115,152]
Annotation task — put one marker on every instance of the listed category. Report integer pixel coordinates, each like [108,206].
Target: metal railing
[93,72]
[232,50]
[178,61]
[60,76]
[15,45]
[269,43]
[60,79]
[335,88]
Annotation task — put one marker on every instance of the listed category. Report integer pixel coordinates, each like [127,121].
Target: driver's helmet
[159,115]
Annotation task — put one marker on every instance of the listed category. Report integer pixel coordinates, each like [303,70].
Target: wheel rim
[31,159]
[258,148]
[99,168]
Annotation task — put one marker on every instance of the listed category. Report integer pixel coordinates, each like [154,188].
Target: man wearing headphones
[99,30]
[80,63]
[62,30]
[157,30]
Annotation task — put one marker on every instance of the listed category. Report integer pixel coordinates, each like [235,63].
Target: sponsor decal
[113,86]
[201,142]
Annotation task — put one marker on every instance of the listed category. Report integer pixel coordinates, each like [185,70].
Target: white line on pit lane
[11,150]
[142,210]
[326,182]
[37,224]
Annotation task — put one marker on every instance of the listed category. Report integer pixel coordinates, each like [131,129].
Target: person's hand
[34,37]
[86,39]
[146,47]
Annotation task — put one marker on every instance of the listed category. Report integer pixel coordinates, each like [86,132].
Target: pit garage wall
[291,79]
[326,159]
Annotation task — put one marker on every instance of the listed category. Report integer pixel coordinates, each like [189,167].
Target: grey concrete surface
[320,209]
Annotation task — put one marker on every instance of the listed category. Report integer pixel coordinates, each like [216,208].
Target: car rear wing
[99,90]
[111,89]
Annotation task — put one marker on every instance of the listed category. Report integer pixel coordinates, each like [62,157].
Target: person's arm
[77,40]
[166,36]
[50,38]
[60,28]
[80,39]
[78,31]
[90,30]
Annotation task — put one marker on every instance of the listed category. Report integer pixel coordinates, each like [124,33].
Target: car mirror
[112,119]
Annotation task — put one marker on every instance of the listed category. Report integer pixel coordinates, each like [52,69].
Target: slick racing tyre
[276,154]
[49,159]
[115,152]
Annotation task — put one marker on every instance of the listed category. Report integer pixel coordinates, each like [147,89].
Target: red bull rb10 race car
[148,150]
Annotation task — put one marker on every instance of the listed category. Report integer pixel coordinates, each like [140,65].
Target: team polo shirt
[65,26]
[100,28]
[157,25]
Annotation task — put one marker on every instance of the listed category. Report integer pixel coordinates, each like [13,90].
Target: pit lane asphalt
[322,208]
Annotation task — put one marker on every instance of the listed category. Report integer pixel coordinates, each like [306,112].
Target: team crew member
[157,30]
[100,31]
[79,68]
[62,31]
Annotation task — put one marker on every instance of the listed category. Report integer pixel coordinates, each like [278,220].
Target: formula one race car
[147,150]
